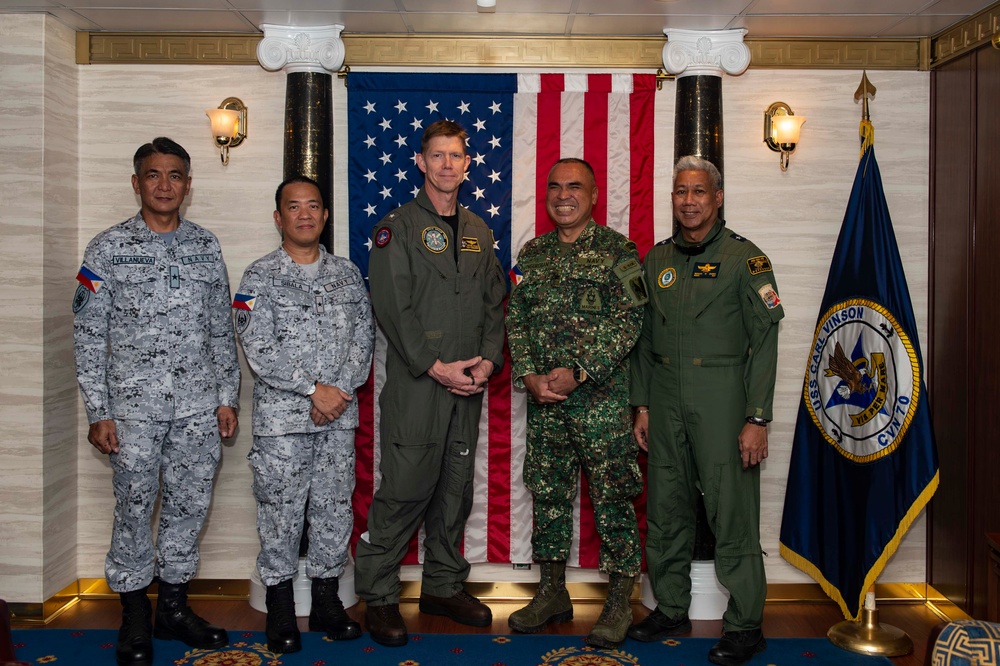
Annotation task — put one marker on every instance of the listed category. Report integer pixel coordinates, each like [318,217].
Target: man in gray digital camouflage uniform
[156,362]
[307,331]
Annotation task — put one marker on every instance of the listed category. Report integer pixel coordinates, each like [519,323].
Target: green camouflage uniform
[706,361]
[579,305]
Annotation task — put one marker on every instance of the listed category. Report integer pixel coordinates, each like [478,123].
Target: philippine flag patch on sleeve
[89,279]
[244,302]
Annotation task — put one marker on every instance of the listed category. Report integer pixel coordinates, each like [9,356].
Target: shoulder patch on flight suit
[435,239]
[470,244]
[769,296]
[382,237]
[630,273]
[705,270]
[758,265]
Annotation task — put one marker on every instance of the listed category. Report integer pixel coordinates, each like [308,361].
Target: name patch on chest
[705,270]
[119,259]
[289,283]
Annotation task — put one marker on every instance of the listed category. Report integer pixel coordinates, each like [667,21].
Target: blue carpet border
[95,647]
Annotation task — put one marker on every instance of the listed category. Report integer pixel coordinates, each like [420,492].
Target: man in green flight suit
[571,323]
[702,385]
[437,289]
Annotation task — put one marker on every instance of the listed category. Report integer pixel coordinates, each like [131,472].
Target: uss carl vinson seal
[863,382]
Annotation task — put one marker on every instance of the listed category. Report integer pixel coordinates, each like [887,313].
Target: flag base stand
[870,637]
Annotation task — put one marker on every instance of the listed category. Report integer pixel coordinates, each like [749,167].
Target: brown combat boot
[550,605]
[611,627]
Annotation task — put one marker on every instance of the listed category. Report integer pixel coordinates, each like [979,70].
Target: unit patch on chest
[591,300]
[435,239]
[705,270]
[666,278]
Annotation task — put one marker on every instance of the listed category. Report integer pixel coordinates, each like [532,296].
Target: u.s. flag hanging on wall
[518,125]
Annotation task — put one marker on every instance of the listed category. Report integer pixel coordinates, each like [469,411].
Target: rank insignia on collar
[705,270]
[382,237]
[435,239]
[470,244]
[758,265]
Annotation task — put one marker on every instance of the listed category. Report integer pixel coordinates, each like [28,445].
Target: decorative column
[309,56]
[698,58]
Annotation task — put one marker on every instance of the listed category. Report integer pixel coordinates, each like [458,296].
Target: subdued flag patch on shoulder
[89,279]
[244,302]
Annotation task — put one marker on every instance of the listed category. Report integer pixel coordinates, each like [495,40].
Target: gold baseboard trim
[39,614]
[435,51]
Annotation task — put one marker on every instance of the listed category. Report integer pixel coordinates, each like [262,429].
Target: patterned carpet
[249,648]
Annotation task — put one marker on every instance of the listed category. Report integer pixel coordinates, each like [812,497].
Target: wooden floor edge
[40,614]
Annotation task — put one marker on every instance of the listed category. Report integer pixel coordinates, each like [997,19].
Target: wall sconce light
[229,125]
[781,131]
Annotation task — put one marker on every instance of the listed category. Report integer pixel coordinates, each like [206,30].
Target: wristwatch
[757,421]
[579,374]
[312,389]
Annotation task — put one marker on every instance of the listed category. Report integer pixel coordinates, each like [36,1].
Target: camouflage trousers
[186,451]
[597,437]
[288,470]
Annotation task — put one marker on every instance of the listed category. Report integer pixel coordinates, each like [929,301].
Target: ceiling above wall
[762,18]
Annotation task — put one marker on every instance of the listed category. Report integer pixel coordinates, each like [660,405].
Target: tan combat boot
[550,605]
[611,627]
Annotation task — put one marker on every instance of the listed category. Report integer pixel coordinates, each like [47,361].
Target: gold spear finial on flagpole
[868,636]
[865,92]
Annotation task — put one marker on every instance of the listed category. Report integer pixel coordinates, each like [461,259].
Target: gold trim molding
[95,48]
[966,36]
[39,614]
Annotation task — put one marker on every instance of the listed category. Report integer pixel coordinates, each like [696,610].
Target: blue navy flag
[388,114]
[863,461]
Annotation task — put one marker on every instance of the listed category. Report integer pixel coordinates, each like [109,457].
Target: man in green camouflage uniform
[703,383]
[571,323]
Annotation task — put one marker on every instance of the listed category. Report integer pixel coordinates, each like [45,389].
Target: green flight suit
[430,307]
[705,361]
[580,305]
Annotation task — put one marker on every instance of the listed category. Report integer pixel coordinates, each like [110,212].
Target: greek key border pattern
[442,51]
[965,37]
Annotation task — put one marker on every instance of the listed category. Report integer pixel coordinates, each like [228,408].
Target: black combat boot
[176,621]
[135,641]
[282,632]
[327,612]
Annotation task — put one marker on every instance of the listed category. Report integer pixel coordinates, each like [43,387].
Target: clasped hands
[465,378]
[551,388]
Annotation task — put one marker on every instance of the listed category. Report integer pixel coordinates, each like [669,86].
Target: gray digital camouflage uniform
[297,330]
[155,352]
[580,306]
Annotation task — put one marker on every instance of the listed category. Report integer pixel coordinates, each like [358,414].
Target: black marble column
[309,134]
[698,131]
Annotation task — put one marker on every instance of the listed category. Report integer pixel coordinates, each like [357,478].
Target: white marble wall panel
[122,107]
[795,216]
[21,329]
[60,212]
